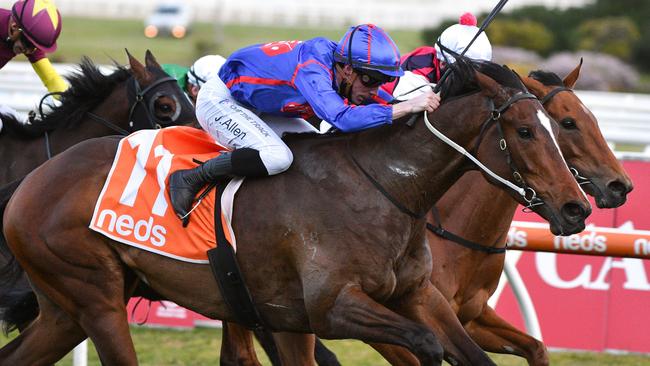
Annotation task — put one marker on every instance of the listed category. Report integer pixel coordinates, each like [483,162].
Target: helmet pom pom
[467,19]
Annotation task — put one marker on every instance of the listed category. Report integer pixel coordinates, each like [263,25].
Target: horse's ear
[137,69]
[150,60]
[487,84]
[534,86]
[511,70]
[570,80]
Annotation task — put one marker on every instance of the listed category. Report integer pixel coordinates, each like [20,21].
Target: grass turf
[162,347]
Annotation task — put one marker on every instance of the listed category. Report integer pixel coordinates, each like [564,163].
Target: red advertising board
[165,314]
[588,302]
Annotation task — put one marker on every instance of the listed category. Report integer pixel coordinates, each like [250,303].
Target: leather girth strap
[225,269]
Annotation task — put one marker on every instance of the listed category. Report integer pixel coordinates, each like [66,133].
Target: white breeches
[234,126]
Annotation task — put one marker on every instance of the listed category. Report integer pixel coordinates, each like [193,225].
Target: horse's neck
[115,108]
[477,211]
[413,165]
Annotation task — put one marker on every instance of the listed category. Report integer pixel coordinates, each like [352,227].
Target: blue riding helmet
[371,49]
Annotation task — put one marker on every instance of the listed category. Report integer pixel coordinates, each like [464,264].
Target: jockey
[203,70]
[427,64]
[190,79]
[314,79]
[31,28]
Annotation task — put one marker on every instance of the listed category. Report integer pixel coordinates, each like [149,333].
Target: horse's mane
[88,88]
[502,74]
[547,78]
[462,80]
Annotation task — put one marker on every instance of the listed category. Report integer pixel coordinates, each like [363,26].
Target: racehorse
[473,210]
[356,266]
[95,105]
[467,275]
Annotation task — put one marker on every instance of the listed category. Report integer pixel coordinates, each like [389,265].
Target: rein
[528,193]
[441,232]
[139,98]
[495,116]
[438,230]
[382,190]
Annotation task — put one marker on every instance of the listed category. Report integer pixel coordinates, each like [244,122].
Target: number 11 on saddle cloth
[134,206]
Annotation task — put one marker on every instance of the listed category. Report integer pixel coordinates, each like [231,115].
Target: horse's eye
[166,108]
[525,133]
[568,123]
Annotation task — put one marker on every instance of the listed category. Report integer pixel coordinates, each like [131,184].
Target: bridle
[140,99]
[137,97]
[527,192]
[533,200]
[576,174]
[441,232]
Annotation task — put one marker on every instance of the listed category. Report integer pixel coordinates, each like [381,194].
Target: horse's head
[157,100]
[518,142]
[582,144]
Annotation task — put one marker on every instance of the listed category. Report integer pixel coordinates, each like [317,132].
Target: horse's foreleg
[496,335]
[50,337]
[355,315]
[324,357]
[237,348]
[428,306]
[395,355]
[295,349]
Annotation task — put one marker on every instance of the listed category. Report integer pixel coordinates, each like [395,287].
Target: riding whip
[484,25]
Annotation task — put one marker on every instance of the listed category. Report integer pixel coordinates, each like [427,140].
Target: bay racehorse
[329,251]
[95,105]
[595,167]
[467,272]
[466,275]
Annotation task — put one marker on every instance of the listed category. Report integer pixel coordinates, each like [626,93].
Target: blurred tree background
[618,28]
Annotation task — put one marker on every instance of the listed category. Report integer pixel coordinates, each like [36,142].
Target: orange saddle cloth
[134,206]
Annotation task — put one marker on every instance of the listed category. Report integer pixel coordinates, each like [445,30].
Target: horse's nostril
[618,188]
[573,212]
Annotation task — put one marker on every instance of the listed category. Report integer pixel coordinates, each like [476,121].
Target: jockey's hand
[427,101]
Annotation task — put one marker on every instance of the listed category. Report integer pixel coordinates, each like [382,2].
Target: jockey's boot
[185,184]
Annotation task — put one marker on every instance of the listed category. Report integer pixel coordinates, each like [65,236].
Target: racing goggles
[373,79]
